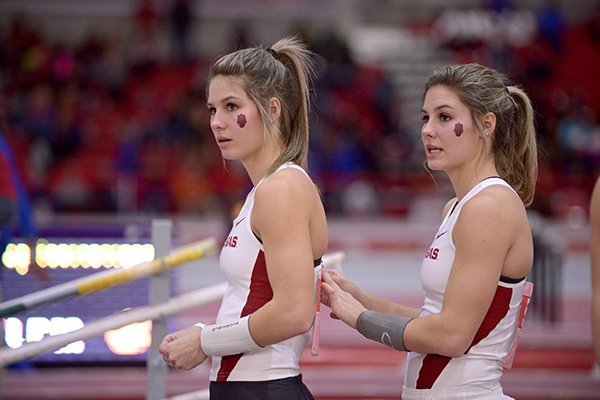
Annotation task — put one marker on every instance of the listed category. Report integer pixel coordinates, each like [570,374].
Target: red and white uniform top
[242,262]
[482,364]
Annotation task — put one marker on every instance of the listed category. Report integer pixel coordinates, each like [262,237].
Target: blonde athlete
[479,130]
[258,100]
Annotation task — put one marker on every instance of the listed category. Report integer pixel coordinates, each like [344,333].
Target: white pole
[160,292]
[178,304]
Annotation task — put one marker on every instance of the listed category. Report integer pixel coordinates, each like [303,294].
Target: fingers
[163,349]
[329,280]
[180,349]
[333,273]
[169,363]
[166,359]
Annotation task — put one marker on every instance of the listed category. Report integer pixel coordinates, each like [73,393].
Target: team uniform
[476,374]
[242,262]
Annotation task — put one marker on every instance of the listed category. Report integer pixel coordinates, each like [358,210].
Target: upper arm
[281,217]
[482,237]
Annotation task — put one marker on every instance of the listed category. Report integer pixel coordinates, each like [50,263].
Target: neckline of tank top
[484,179]
[284,165]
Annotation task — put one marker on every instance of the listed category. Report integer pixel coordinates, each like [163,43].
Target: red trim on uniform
[498,310]
[434,364]
[260,293]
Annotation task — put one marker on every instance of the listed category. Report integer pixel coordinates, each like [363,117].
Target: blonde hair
[484,90]
[285,71]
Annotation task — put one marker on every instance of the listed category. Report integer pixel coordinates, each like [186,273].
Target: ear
[274,108]
[489,123]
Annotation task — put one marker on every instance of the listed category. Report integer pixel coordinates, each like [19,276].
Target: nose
[215,122]
[427,130]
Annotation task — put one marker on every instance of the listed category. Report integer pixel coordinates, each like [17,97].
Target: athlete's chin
[434,165]
[229,156]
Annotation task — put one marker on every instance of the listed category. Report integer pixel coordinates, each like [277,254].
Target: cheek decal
[241,120]
[458,129]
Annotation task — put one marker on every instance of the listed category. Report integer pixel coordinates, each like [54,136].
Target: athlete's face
[234,119]
[449,134]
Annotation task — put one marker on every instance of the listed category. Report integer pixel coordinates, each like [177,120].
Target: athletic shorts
[467,393]
[279,389]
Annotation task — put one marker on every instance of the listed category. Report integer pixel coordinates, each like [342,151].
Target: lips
[223,142]
[432,149]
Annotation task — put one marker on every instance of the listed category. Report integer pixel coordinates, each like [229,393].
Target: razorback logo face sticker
[241,121]
[458,128]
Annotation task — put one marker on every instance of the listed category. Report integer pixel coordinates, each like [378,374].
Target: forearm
[434,334]
[272,323]
[387,329]
[279,321]
[380,304]
[407,334]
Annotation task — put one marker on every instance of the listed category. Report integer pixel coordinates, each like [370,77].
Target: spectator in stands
[259,101]
[479,130]
[595,258]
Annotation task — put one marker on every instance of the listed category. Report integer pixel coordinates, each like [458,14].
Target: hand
[182,349]
[344,284]
[342,304]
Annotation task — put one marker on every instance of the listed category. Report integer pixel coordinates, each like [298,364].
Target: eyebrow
[438,108]
[225,100]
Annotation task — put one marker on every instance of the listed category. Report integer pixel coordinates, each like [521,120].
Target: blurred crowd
[119,125]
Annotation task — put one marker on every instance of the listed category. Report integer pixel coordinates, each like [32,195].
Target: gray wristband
[384,328]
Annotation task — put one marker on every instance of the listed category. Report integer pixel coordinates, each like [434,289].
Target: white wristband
[200,325]
[228,338]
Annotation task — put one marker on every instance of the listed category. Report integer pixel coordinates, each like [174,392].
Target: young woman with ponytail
[479,129]
[258,100]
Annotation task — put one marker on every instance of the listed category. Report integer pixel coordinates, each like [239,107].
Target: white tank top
[242,262]
[481,366]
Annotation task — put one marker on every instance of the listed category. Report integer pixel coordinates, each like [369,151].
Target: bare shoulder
[289,185]
[288,196]
[497,206]
[496,198]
